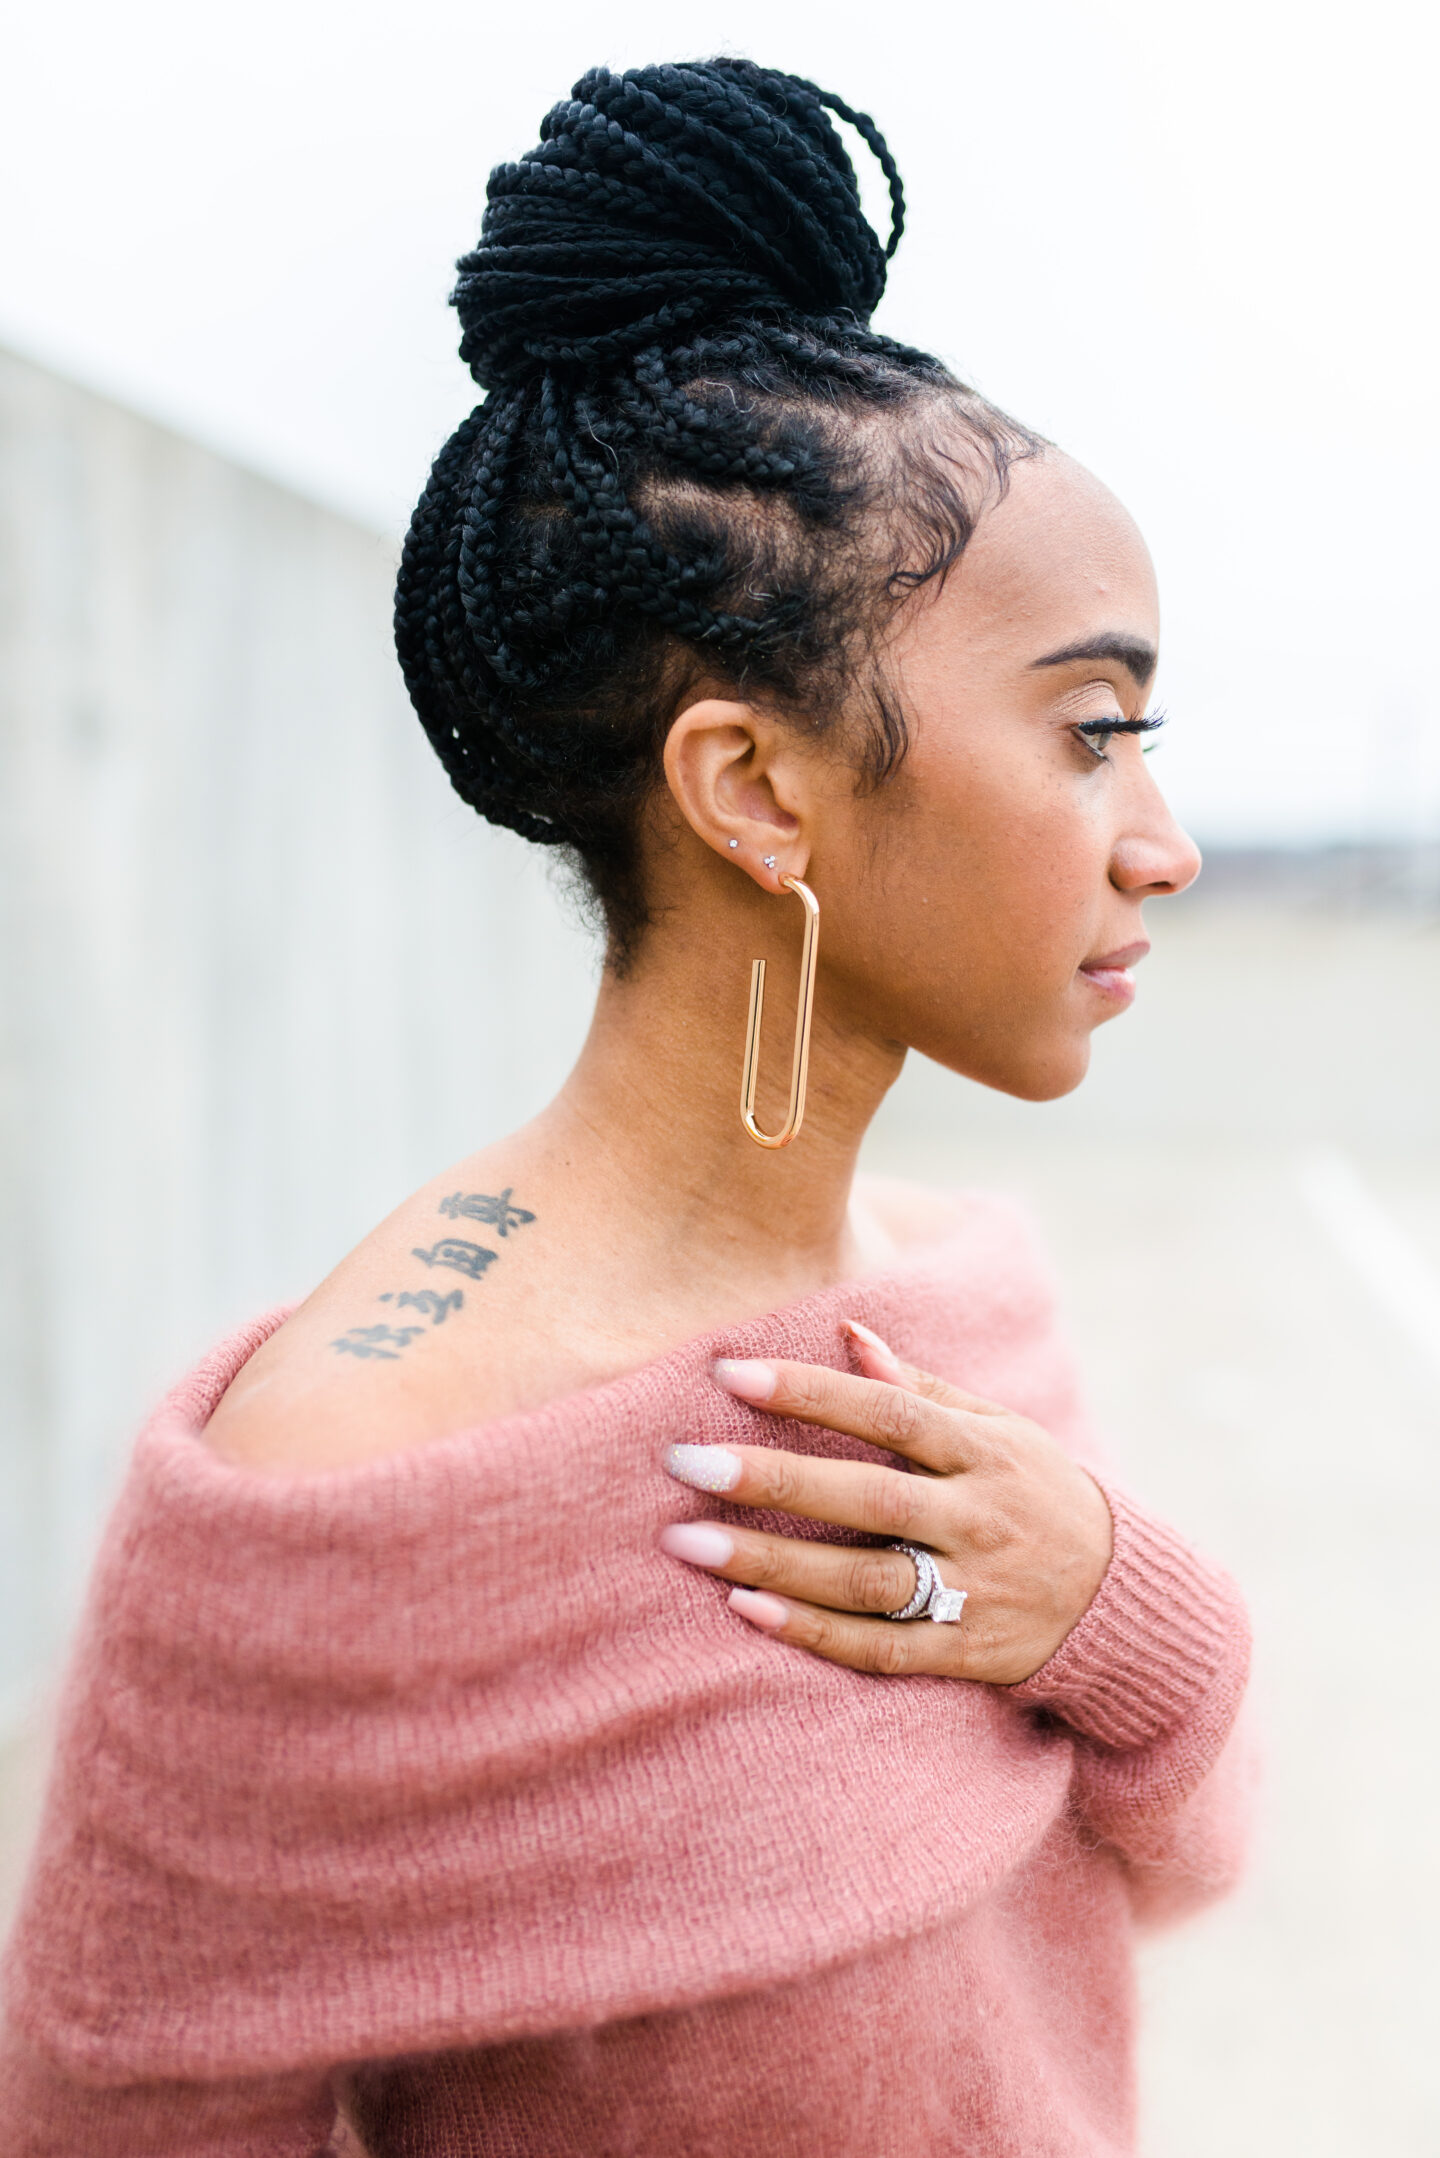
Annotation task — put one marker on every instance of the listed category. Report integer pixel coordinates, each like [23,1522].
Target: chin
[1043,1075]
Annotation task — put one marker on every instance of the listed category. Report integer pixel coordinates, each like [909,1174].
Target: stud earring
[769,861]
[734,842]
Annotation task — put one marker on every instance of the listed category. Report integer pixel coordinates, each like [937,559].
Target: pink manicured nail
[705,1468]
[766,1612]
[742,1377]
[699,1543]
[884,1363]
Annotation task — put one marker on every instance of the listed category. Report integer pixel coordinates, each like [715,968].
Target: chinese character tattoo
[466,1258]
[430,1301]
[497,1212]
[386,1341]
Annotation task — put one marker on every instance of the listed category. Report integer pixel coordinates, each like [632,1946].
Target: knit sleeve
[52,2114]
[1151,1682]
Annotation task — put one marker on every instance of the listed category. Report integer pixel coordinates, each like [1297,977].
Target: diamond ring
[932,1599]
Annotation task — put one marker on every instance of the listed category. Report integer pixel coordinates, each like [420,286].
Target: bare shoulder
[480,1296]
[399,1344]
[911,1215]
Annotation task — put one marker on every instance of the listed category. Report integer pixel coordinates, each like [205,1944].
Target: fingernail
[750,1381]
[707,1468]
[699,1543]
[766,1612]
[884,1363]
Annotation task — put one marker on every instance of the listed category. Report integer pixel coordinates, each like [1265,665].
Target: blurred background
[249,939]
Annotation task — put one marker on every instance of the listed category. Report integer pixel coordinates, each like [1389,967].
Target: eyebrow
[1137,658]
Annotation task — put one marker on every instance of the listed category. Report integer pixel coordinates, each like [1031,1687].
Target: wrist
[1163,1626]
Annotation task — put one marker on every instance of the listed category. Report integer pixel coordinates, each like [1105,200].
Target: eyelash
[1088,728]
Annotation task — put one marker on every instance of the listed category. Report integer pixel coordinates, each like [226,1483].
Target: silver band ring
[926,1582]
[932,1599]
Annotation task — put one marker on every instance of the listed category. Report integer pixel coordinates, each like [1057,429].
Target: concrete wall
[260,970]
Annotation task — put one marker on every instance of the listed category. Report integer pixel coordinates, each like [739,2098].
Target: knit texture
[432,1785]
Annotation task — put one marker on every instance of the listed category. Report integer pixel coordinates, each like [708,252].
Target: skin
[967,908]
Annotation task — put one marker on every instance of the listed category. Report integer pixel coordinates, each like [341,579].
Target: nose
[1155,854]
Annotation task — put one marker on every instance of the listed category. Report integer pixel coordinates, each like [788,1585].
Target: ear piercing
[768,859]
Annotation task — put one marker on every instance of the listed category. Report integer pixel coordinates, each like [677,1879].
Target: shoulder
[995,1238]
[399,1344]
[908,1215]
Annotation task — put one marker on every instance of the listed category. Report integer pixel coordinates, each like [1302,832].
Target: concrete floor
[1268,1367]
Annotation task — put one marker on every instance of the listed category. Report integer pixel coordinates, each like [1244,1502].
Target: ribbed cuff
[1164,1626]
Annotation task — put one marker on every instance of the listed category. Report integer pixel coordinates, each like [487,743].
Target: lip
[1109,972]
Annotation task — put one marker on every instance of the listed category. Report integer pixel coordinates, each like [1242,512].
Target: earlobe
[728,769]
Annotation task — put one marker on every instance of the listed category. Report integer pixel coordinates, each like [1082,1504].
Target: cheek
[1012,866]
[972,900]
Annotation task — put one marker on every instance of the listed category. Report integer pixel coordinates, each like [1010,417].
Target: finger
[846,1494]
[903,1422]
[863,1644]
[879,1361]
[843,1579]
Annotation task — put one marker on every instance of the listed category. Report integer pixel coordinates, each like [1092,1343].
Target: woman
[530,1703]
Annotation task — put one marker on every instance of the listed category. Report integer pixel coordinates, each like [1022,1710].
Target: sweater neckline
[931,1261]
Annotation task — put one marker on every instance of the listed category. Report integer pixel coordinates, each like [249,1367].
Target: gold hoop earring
[804,1008]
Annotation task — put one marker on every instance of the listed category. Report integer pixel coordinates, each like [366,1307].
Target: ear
[739,781]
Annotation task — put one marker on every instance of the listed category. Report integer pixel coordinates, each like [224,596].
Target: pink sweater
[431,1783]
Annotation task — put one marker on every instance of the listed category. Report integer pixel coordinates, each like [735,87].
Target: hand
[1006,1514]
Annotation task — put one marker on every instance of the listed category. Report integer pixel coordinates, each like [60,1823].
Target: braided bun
[695,461]
[663,198]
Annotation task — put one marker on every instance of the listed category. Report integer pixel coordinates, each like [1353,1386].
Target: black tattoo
[377,1340]
[454,1251]
[497,1212]
[428,1300]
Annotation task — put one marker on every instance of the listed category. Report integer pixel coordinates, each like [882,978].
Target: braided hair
[695,462]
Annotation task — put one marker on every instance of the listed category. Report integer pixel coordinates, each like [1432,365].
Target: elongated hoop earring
[804,1008]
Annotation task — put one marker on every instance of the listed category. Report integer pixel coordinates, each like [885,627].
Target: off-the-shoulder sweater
[429,1789]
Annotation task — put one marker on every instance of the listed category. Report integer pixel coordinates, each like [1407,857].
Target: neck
[650,1118]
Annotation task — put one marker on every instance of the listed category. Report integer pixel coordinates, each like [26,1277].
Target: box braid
[674,475]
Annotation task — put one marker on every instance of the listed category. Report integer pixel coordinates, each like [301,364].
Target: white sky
[1194,243]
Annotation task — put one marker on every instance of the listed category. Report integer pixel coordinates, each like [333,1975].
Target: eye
[1098,734]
